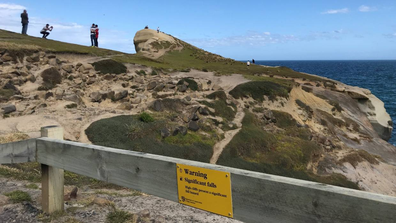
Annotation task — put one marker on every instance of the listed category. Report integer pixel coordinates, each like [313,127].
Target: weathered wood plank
[256,197]
[52,178]
[18,152]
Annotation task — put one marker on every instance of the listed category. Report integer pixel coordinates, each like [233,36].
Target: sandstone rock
[120,95]
[96,96]
[125,106]
[102,201]
[182,88]
[136,100]
[31,78]
[151,85]
[91,80]
[51,77]
[4,200]
[269,115]
[33,58]
[194,117]
[7,109]
[59,93]
[160,87]
[187,98]
[193,126]
[125,84]
[6,58]
[77,81]
[151,44]
[78,65]
[72,97]
[68,68]
[54,62]
[158,106]
[85,67]
[108,77]
[185,118]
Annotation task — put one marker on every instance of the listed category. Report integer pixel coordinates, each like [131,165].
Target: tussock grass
[257,90]
[18,196]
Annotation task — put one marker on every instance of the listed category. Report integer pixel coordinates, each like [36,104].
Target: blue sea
[379,76]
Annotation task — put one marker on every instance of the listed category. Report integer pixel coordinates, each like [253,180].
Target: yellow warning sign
[206,189]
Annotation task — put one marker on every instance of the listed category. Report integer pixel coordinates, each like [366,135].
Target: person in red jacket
[96,35]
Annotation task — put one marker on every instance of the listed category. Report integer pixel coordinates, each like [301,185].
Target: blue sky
[259,29]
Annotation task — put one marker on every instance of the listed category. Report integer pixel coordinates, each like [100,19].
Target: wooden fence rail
[256,197]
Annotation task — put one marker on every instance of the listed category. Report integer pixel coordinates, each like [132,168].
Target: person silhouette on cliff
[158,29]
[45,30]
[24,21]
[93,35]
[96,35]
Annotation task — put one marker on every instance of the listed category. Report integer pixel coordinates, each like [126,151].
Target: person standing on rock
[24,21]
[96,35]
[45,30]
[158,30]
[93,35]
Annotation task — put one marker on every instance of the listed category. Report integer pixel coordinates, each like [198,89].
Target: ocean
[379,76]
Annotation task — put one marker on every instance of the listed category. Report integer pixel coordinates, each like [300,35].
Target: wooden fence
[256,197]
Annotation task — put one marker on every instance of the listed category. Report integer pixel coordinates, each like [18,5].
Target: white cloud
[63,31]
[390,35]
[365,8]
[336,11]
[11,7]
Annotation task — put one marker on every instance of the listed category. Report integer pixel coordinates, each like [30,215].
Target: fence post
[52,179]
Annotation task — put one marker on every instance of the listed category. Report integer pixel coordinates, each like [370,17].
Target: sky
[259,29]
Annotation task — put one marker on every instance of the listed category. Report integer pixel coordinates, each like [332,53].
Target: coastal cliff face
[295,125]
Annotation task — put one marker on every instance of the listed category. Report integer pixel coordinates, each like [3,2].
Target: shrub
[257,89]
[146,117]
[18,196]
[109,67]
[153,73]
[140,72]
[51,77]
[118,216]
[221,95]
[191,83]
[6,93]
[205,70]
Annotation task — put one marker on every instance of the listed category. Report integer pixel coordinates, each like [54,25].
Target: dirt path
[228,136]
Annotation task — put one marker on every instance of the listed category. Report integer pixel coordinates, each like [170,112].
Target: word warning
[206,189]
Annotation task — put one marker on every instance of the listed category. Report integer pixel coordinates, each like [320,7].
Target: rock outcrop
[153,45]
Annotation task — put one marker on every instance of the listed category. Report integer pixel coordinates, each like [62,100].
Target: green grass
[221,109]
[109,67]
[221,95]
[257,90]
[118,216]
[32,186]
[18,196]
[189,57]
[6,93]
[128,132]
[257,150]
[191,83]
[146,117]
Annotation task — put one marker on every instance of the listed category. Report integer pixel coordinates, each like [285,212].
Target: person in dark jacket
[24,21]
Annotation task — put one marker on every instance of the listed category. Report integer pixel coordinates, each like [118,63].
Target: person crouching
[45,30]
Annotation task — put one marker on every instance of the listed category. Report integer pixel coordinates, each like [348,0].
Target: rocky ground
[94,205]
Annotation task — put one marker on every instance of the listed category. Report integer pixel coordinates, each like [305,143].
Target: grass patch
[146,117]
[118,216]
[257,150]
[18,196]
[221,109]
[189,139]
[6,93]
[115,132]
[140,72]
[191,83]
[257,90]
[220,95]
[357,157]
[109,67]
[32,186]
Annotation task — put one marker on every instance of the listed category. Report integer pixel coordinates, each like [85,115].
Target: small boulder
[68,68]
[182,130]
[165,133]
[7,109]
[151,85]
[72,97]
[160,87]
[120,95]
[182,88]
[33,58]
[203,111]
[125,106]
[158,105]
[96,96]
[48,95]
[195,117]
[6,58]
[193,126]
[136,101]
